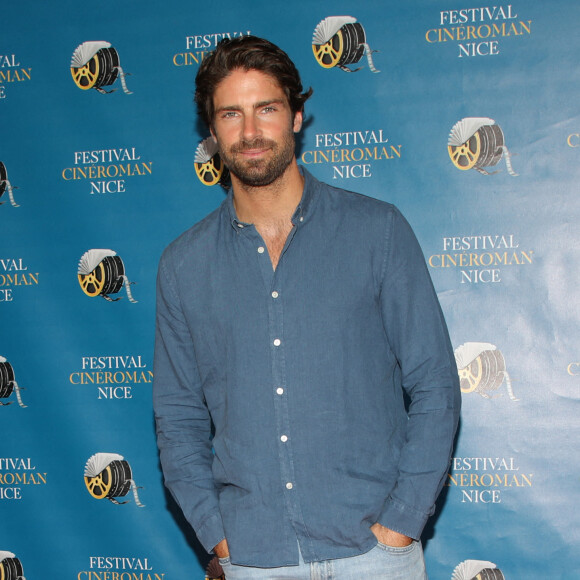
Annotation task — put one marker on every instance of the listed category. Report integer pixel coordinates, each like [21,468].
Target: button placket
[279,388]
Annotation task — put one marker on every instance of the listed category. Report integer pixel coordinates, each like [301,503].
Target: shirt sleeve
[418,337]
[182,419]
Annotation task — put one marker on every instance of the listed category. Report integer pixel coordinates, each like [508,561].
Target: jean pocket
[397,549]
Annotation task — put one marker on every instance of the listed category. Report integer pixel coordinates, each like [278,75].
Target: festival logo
[484,479]
[8,385]
[209,167]
[10,567]
[113,377]
[478,31]
[340,40]
[109,476]
[96,64]
[15,474]
[477,570]
[478,142]
[199,46]
[5,185]
[352,154]
[11,71]
[120,568]
[13,275]
[102,272]
[482,370]
[107,170]
[481,258]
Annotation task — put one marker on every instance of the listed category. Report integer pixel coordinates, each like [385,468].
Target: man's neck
[268,204]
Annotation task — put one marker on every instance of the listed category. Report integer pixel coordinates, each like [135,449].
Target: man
[289,322]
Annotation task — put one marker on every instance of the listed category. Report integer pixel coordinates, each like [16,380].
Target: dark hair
[247,53]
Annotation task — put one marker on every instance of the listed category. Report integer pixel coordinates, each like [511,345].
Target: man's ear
[212,133]
[297,122]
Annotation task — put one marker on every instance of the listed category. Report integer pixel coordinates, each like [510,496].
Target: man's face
[254,127]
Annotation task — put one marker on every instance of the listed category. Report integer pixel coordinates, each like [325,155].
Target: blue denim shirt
[301,371]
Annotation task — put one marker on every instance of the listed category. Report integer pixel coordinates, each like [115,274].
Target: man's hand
[390,537]
[222,550]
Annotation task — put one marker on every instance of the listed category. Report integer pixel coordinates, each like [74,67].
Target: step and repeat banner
[464,115]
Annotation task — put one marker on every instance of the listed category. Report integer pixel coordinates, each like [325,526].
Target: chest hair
[274,235]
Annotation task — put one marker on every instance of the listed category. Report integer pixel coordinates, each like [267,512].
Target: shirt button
[284,438]
[261,250]
[301,219]
[277,342]
[280,391]
[240,225]
[275,294]
[289,485]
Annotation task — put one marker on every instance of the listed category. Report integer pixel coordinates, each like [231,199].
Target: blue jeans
[381,563]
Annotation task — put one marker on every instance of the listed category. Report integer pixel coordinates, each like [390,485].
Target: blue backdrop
[465,116]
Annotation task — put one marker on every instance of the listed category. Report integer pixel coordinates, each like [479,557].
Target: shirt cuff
[402,518]
[211,532]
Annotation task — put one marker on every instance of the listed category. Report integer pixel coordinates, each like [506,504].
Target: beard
[263,171]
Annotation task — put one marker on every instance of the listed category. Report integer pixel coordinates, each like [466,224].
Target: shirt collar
[303,210]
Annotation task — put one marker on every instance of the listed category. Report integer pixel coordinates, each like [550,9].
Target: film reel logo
[209,167]
[341,40]
[478,142]
[10,567]
[8,385]
[109,476]
[477,570]
[96,64]
[482,369]
[102,272]
[6,186]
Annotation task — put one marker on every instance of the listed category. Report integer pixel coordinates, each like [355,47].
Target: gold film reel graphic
[5,185]
[209,166]
[8,384]
[96,64]
[478,142]
[10,567]
[477,570]
[102,272]
[340,40]
[109,476]
[482,369]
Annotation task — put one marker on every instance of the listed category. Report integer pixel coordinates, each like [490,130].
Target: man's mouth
[254,148]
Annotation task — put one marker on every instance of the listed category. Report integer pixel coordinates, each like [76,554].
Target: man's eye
[269,109]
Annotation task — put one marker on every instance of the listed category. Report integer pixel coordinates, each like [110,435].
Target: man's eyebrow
[228,108]
[258,105]
[278,101]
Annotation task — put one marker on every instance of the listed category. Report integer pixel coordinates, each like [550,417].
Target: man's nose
[251,128]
